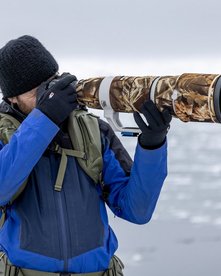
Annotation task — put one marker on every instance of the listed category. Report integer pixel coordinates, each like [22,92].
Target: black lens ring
[217,99]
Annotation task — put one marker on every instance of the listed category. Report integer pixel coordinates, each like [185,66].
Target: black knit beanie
[24,64]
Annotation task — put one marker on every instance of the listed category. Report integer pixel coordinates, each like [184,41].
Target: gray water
[184,236]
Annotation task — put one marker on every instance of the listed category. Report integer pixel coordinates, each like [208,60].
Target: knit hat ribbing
[24,64]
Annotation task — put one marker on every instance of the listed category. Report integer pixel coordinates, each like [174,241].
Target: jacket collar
[7,108]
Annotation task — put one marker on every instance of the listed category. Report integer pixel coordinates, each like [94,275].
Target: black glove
[59,99]
[154,134]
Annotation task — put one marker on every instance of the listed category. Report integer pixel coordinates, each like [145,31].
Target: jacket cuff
[150,155]
[40,122]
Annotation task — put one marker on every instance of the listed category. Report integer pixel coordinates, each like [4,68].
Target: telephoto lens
[189,97]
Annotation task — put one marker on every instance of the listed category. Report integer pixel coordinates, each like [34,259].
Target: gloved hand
[154,134]
[58,100]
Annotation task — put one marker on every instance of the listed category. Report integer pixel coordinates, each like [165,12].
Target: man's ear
[12,100]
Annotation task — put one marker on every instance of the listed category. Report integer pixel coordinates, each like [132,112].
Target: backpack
[85,137]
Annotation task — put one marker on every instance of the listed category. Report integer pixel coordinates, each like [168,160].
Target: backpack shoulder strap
[84,132]
[8,125]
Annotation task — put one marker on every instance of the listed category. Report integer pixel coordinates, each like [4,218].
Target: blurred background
[119,37]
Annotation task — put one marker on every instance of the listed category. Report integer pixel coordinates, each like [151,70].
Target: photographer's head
[24,64]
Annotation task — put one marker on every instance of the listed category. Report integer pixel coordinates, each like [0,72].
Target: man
[51,232]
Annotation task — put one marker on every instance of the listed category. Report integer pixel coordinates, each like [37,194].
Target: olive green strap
[63,164]
[3,216]
[2,254]
[61,172]
[75,153]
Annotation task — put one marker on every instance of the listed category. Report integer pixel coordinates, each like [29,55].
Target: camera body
[59,77]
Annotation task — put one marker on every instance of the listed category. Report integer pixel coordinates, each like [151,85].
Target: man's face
[26,102]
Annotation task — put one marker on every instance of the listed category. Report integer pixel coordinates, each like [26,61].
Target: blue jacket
[68,231]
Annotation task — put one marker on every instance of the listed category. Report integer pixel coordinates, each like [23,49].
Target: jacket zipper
[64,238]
[62,225]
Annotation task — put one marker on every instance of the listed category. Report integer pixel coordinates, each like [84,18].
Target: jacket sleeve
[133,187]
[19,156]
